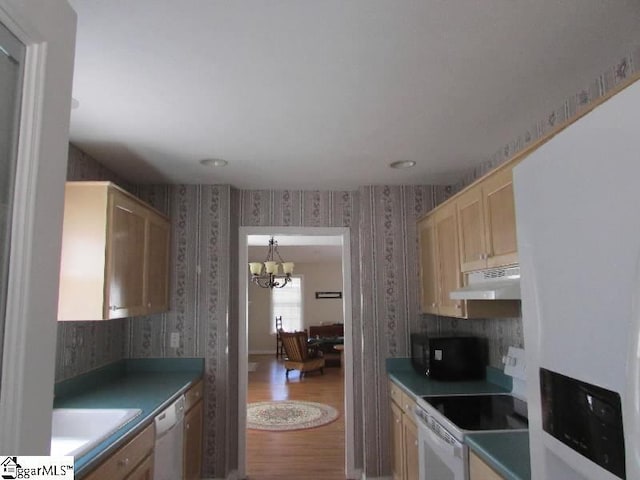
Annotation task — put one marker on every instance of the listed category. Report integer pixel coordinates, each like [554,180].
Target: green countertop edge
[506,452]
[401,370]
[148,384]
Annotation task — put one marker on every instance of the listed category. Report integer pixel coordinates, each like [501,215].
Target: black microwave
[449,358]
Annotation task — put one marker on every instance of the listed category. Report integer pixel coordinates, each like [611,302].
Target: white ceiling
[324,94]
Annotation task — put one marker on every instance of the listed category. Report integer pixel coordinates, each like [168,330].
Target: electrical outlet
[514,363]
[174,340]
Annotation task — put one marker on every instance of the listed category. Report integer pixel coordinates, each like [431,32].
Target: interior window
[287,303]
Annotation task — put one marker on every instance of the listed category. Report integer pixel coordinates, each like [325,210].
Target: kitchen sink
[75,431]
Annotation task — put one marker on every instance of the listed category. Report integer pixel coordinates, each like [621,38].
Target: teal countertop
[401,370]
[506,452]
[148,384]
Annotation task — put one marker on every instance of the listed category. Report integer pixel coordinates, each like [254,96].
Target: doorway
[343,234]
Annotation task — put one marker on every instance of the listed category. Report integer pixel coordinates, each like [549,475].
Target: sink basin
[75,431]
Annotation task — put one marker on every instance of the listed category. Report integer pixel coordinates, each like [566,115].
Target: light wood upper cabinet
[474,230]
[428,266]
[157,282]
[115,255]
[472,238]
[447,254]
[125,255]
[487,223]
[500,218]
[440,263]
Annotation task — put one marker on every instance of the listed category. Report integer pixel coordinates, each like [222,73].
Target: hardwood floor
[312,454]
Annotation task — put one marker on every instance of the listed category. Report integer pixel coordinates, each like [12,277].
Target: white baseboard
[261,352]
[364,477]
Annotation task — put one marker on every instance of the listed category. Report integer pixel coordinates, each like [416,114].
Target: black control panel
[584,417]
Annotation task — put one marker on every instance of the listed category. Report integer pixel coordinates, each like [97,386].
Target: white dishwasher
[167,458]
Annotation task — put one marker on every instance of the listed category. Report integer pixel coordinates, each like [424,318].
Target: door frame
[47,28]
[243,352]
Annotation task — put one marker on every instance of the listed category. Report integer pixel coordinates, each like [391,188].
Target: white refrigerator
[578,223]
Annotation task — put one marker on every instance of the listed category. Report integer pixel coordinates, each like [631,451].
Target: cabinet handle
[433,304]
[149,305]
[397,420]
[481,256]
[187,426]
[123,463]
[415,442]
[458,306]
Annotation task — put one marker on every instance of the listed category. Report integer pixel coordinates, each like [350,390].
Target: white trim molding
[344,233]
[47,29]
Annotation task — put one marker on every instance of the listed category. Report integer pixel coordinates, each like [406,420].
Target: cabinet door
[478,470]
[144,471]
[193,442]
[471,230]
[500,218]
[157,264]
[397,459]
[428,266]
[125,461]
[448,261]
[411,452]
[125,257]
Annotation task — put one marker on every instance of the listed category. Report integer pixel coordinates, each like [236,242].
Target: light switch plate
[174,340]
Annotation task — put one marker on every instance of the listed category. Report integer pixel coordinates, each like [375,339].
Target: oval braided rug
[286,415]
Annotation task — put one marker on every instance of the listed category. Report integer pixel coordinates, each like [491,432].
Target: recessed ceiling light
[213,162]
[403,164]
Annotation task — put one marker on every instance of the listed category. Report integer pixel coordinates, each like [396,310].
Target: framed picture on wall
[322,295]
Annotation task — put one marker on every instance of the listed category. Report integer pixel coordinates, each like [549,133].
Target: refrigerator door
[578,223]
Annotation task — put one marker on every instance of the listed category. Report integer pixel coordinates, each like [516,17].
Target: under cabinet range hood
[501,283]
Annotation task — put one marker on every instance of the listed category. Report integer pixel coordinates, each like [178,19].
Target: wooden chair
[279,348]
[299,355]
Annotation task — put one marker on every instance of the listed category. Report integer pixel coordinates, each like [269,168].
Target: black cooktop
[482,412]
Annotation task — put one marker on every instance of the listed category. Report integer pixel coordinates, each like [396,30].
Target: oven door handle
[451,447]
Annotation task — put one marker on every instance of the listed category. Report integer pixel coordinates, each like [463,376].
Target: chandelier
[270,278]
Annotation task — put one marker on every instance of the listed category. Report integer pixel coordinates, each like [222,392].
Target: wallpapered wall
[204,235]
[205,220]
[389,289]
